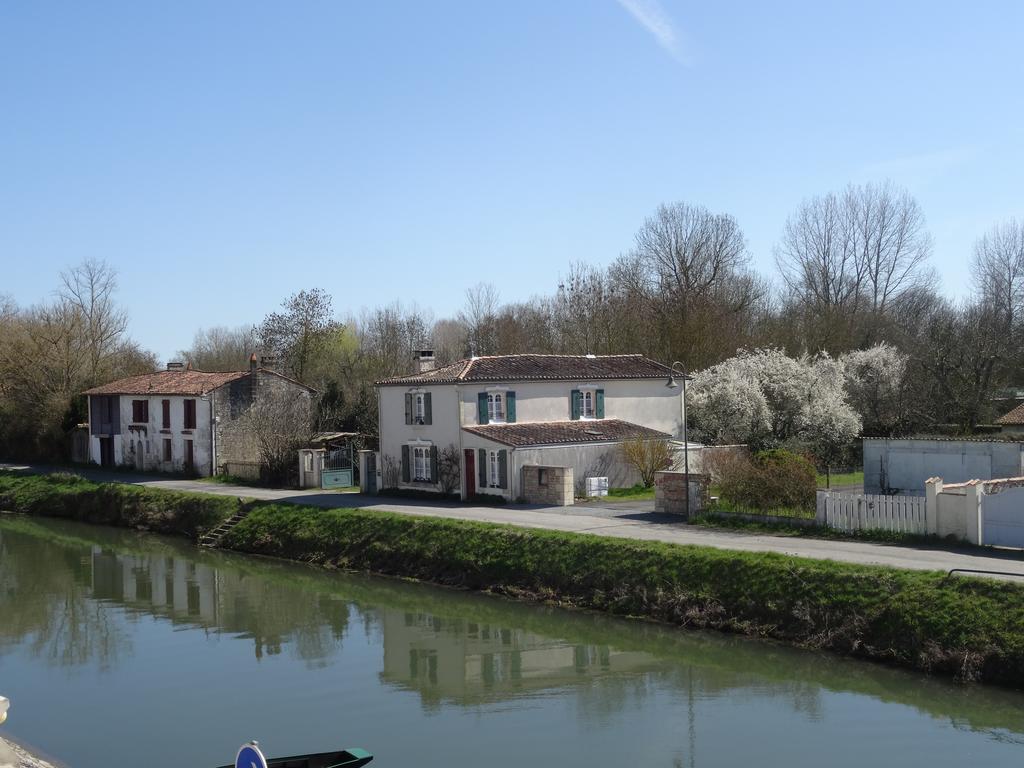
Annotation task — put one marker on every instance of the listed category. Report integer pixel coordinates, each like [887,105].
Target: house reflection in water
[178,589]
[466,662]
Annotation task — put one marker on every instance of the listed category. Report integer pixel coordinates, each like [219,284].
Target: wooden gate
[851,512]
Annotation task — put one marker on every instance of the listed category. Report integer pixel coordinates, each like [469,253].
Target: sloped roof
[180,382]
[563,432]
[1014,417]
[538,368]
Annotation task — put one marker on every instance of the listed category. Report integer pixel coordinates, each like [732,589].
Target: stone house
[500,415]
[182,420]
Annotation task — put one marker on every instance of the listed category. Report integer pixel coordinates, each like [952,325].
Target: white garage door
[1003,518]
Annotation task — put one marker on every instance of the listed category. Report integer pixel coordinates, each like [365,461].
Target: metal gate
[339,467]
[1003,518]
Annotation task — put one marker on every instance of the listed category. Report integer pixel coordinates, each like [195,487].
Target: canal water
[127,649]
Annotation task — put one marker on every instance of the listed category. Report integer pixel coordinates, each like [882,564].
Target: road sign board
[249,756]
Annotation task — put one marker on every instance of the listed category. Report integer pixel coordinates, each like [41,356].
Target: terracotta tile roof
[183,382]
[1014,417]
[538,368]
[562,432]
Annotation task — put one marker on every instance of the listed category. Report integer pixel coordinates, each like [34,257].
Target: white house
[499,414]
[181,420]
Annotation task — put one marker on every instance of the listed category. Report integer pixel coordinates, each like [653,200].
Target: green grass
[970,628]
[68,495]
[636,493]
[723,507]
[845,478]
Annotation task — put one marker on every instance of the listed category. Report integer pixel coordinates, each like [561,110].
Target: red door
[470,473]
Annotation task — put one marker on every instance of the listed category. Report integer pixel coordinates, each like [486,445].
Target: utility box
[597,486]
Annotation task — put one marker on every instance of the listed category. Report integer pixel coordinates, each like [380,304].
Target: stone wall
[670,492]
[552,486]
[236,443]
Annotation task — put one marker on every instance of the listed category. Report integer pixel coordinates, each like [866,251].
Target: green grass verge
[970,628]
[723,508]
[711,519]
[71,496]
[636,493]
[844,478]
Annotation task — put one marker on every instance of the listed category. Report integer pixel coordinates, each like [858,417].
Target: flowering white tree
[875,381]
[765,398]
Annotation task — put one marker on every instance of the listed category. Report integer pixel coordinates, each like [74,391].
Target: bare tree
[998,270]
[281,423]
[647,457]
[298,333]
[88,289]
[220,348]
[846,258]
[478,317]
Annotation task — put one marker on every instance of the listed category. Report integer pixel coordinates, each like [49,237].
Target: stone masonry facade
[670,492]
[236,443]
[552,486]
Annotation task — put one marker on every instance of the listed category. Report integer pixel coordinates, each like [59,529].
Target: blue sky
[223,155]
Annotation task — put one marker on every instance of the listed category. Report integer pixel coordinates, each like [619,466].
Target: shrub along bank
[973,629]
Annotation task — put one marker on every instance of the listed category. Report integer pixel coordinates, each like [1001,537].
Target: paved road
[624,519]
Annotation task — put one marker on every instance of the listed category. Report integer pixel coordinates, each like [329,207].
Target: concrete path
[625,519]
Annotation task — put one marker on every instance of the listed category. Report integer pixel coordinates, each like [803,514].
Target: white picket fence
[851,512]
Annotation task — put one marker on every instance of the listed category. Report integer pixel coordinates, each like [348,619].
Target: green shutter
[428,409]
[405,464]
[408,408]
[503,469]
[576,405]
[481,408]
[483,468]
[510,407]
[599,403]
[433,462]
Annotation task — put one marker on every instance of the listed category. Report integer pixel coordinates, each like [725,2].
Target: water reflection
[69,595]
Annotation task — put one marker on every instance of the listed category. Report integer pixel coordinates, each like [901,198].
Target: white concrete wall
[143,448]
[908,463]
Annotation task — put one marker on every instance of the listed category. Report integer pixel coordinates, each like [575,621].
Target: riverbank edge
[970,629]
[25,758]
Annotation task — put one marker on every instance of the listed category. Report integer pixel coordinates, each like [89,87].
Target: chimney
[268,362]
[424,360]
[252,363]
[175,366]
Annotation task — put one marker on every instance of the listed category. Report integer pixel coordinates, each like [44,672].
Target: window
[140,411]
[493,469]
[167,449]
[417,408]
[190,414]
[495,407]
[587,403]
[167,413]
[542,477]
[587,411]
[420,408]
[421,463]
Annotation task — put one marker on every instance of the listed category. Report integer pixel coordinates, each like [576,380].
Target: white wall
[647,402]
[143,449]
[908,463]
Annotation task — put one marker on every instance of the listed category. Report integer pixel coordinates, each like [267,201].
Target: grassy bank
[972,629]
[72,496]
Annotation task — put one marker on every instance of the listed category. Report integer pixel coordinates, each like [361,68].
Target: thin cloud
[652,17]
[921,170]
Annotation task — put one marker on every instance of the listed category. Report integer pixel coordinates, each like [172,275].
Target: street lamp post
[672,384]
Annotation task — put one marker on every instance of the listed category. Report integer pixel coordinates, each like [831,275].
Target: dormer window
[495,407]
